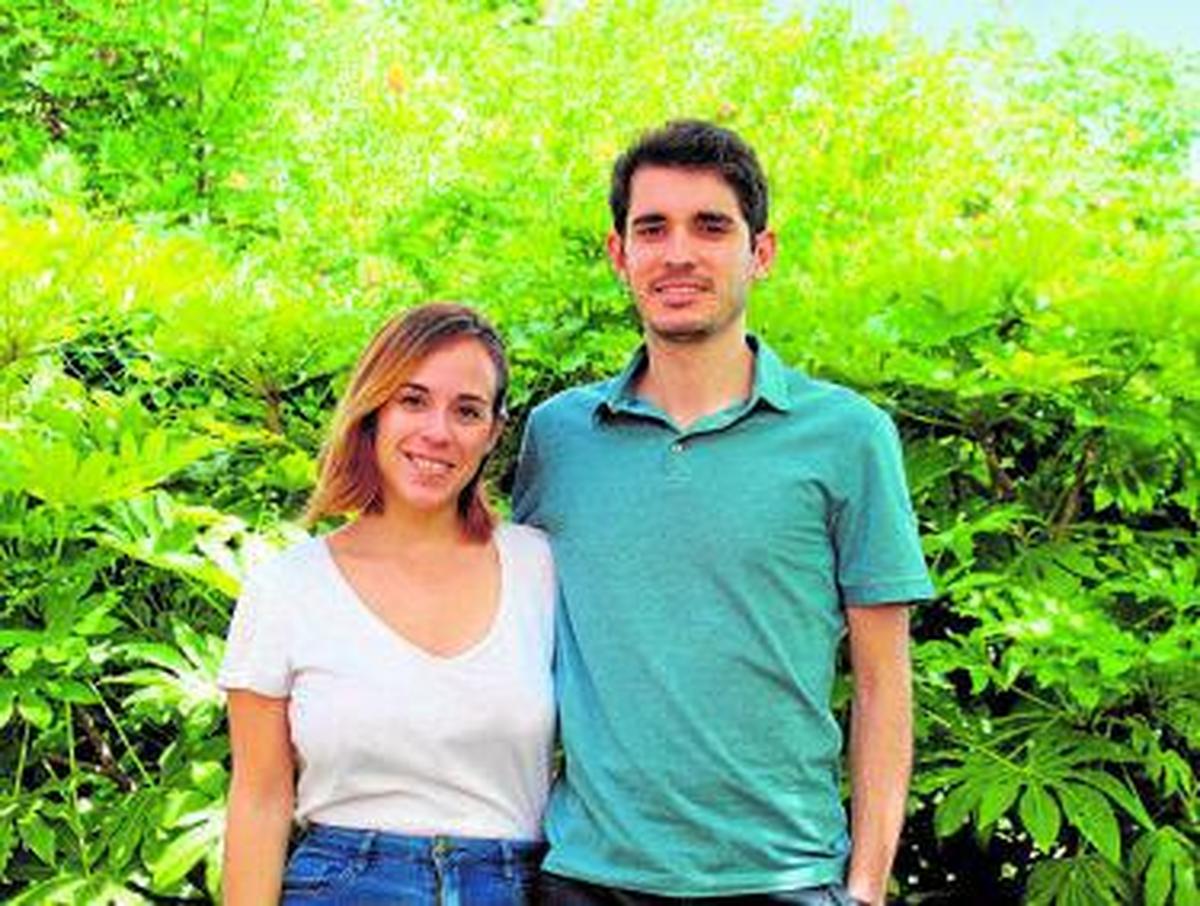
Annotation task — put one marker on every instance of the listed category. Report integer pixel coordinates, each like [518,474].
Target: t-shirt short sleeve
[879,558]
[257,648]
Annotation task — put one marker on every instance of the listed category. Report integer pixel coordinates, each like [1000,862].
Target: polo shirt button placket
[676,467]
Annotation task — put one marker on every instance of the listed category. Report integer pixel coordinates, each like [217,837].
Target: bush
[205,210]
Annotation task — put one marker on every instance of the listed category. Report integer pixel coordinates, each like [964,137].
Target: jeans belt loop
[509,857]
[366,846]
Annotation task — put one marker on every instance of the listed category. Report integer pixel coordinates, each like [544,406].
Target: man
[718,520]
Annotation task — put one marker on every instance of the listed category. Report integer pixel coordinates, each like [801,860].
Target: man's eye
[646,230]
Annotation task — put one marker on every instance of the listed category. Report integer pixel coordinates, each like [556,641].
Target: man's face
[687,253]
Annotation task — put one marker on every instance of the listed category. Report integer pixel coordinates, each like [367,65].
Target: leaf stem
[73,785]
[112,719]
[21,757]
[971,744]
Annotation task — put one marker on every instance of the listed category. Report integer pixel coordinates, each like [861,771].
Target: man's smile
[677,289]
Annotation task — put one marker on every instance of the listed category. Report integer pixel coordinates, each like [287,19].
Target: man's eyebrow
[648,220]
[713,218]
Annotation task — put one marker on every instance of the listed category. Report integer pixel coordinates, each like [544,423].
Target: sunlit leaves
[990,240]
[194,541]
[178,679]
[196,838]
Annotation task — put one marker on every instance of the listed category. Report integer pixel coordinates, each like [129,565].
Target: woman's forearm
[256,835]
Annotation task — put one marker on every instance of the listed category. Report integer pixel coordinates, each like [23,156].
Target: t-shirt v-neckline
[378,624]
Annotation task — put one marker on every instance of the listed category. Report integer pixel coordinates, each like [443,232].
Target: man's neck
[691,380]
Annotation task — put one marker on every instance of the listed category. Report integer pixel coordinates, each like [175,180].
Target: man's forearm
[880,765]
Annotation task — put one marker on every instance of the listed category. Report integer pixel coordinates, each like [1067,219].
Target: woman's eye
[471,413]
[410,401]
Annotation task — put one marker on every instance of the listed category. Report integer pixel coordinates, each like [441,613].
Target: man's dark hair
[700,145]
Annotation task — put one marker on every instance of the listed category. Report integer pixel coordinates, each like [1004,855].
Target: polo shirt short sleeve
[703,579]
[879,559]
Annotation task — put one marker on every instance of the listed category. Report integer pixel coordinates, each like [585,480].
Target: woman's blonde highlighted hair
[348,479]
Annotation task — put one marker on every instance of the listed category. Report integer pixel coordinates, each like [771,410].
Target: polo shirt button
[676,447]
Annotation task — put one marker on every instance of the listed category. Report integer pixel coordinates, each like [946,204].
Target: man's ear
[614,244]
[765,247]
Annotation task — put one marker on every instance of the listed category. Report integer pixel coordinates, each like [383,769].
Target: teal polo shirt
[703,575]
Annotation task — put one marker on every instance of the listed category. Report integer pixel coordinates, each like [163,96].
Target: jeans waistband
[364,842]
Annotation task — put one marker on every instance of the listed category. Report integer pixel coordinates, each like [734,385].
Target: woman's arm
[261,799]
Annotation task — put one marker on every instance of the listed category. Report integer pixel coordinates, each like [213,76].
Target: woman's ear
[498,425]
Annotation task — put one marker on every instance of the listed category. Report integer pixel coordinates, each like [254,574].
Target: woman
[389,684]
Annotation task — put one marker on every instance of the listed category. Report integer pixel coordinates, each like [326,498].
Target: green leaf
[1166,860]
[1077,881]
[72,691]
[38,836]
[1157,885]
[1121,793]
[159,653]
[35,709]
[7,696]
[177,858]
[7,844]
[209,777]
[72,889]
[1090,812]
[135,821]
[952,812]
[998,797]
[1040,815]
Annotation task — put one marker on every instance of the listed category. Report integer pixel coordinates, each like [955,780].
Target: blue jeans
[340,866]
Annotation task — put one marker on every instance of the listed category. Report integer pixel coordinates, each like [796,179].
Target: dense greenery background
[207,205]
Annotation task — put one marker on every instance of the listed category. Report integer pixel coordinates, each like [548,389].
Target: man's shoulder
[834,403]
[574,402]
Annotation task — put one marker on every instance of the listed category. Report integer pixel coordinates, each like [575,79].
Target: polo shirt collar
[770,382]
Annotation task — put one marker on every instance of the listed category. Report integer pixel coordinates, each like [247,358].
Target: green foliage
[206,207]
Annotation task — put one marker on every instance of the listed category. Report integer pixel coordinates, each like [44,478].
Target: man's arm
[880,744]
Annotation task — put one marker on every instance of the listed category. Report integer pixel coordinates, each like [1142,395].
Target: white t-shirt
[388,736]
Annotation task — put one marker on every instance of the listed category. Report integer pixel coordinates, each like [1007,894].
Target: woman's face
[435,430]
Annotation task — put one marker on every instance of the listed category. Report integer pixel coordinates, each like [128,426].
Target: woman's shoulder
[528,549]
[524,539]
[532,579]
[291,566]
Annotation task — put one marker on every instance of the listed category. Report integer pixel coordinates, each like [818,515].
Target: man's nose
[678,249]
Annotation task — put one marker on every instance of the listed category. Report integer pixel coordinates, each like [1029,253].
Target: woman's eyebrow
[473,396]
